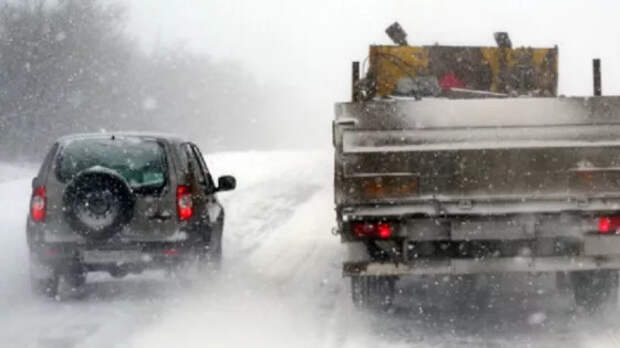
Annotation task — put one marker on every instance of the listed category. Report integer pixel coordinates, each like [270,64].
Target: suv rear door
[154,217]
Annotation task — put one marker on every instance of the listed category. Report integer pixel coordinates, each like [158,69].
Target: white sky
[308,46]
[311,43]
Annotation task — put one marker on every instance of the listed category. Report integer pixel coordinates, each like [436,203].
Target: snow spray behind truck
[463,161]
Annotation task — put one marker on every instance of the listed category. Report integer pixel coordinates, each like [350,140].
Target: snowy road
[280,285]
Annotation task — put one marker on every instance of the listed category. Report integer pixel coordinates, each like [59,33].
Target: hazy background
[265,74]
[308,45]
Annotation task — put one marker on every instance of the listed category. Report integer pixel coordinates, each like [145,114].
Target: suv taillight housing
[38,204]
[381,230]
[185,204]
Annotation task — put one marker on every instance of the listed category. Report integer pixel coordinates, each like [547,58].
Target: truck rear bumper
[491,265]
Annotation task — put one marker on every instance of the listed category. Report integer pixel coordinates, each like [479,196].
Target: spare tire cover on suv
[98,202]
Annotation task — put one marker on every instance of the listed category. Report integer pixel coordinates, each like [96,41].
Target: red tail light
[38,204]
[171,252]
[608,224]
[381,230]
[185,204]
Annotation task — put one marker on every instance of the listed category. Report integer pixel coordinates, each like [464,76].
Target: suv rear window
[141,162]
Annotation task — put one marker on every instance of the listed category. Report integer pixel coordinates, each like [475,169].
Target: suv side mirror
[226,183]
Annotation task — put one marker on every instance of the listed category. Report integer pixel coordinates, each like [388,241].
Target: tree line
[69,66]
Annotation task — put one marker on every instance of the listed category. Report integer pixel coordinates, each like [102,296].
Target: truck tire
[373,292]
[595,290]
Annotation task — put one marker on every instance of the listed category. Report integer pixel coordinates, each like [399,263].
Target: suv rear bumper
[131,256]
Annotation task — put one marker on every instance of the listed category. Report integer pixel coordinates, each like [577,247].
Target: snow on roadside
[270,185]
[14,200]
[10,171]
[253,167]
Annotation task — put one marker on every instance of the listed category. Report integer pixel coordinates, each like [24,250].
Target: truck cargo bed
[542,154]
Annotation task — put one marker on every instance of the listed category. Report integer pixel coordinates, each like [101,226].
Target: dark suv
[121,203]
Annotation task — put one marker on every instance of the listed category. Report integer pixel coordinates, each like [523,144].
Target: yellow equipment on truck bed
[464,71]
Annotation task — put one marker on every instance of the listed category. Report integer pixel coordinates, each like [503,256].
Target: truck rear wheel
[373,292]
[595,290]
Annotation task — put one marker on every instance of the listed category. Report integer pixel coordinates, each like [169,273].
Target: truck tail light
[185,204]
[171,252]
[608,224]
[38,204]
[381,230]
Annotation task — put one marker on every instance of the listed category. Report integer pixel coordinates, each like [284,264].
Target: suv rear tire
[47,287]
[210,256]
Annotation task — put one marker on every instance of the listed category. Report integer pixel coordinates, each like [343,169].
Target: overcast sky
[307,46]
[312,42]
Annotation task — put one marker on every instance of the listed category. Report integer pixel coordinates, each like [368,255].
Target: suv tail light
[185,204]
[381,230]
[38,204]
[608,224]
